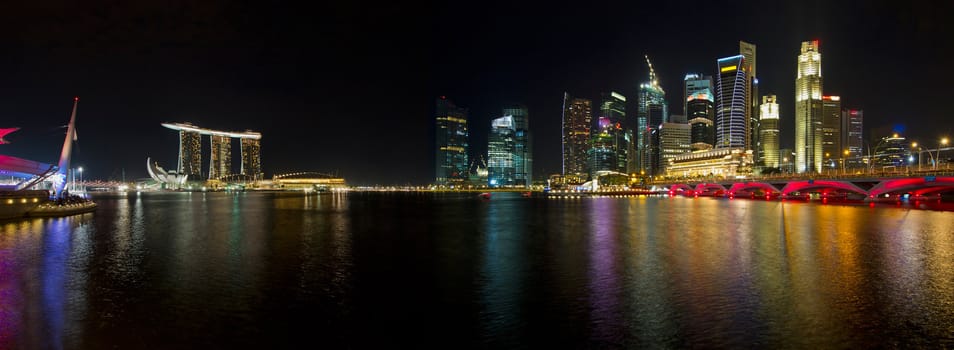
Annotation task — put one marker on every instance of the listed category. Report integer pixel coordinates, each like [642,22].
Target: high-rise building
[808,110]
[577,120]
[674,140]
[831,131]
[501,168]
[613,112]
[602,155]
[769,132]
[451,148]
[523,145]
[700,112]
[652,110]
[190,154]
[731,120]
[251,158]
[220,164]
[693,85]
[852,122]
[747,50]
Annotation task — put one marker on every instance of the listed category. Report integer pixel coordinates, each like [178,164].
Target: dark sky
[349,87]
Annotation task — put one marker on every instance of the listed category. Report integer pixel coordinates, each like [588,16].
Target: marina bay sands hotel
[220,164]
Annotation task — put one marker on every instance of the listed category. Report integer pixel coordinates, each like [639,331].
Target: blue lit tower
[523,145]
[651,111]
[731,122]
[451,148]
[501,168]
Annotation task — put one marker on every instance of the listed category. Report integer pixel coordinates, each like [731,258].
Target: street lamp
[943,143]
[843,161]
[915,145]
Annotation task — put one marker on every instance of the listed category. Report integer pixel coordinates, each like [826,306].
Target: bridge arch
[710,189]
[808,185]
[917,186]
[742,186]
[680,189]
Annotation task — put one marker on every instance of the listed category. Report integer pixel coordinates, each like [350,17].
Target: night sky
[349,87]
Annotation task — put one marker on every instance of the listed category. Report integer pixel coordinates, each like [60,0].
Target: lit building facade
[831,132]
[220,164]
[717,163]
[731,121]
[748,51]
[577,119]
[451,142]
[652,110]
[190,154]
[501,167]
[523,145]
[251,158]
[852,124]
[700,112]
[613,122]
[808,110]
[601,155]
[769,132]
[674,140]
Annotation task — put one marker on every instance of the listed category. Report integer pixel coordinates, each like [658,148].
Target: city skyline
[385,74]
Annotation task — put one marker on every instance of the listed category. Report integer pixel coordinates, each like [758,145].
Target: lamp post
[915,145]
[843,161]
[943,143]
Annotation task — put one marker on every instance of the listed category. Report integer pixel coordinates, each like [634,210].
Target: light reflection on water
[263,270]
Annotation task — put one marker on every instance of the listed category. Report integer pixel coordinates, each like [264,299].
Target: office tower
[808,110]
[693,85]
[747,50]
[501,169]
[731,123]
[674,140]
[852,121]
[602,155]
[652,110]
[769,132]
[251,158]
[613,112]
[700,112]
[577,119]
[451,145]
[221,157]
[678,119]
[831,131]
[190,154]
[523,145]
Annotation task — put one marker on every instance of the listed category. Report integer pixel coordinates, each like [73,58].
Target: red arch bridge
[871,189]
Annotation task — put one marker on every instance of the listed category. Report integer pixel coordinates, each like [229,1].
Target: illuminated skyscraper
[852,122]
[577,119]
[674,140]
[769,132]
[808,110]
[500,152]
[700,111]
[613,112]
[831,131]
[220,164]
[190,154]
[523,145]
[652,110]
[601,155]
[251,158]
[747,50]
[451,148]
[731,122]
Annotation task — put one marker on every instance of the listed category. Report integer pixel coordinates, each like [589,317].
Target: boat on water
[16,204]
[51,209]
[485,195]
